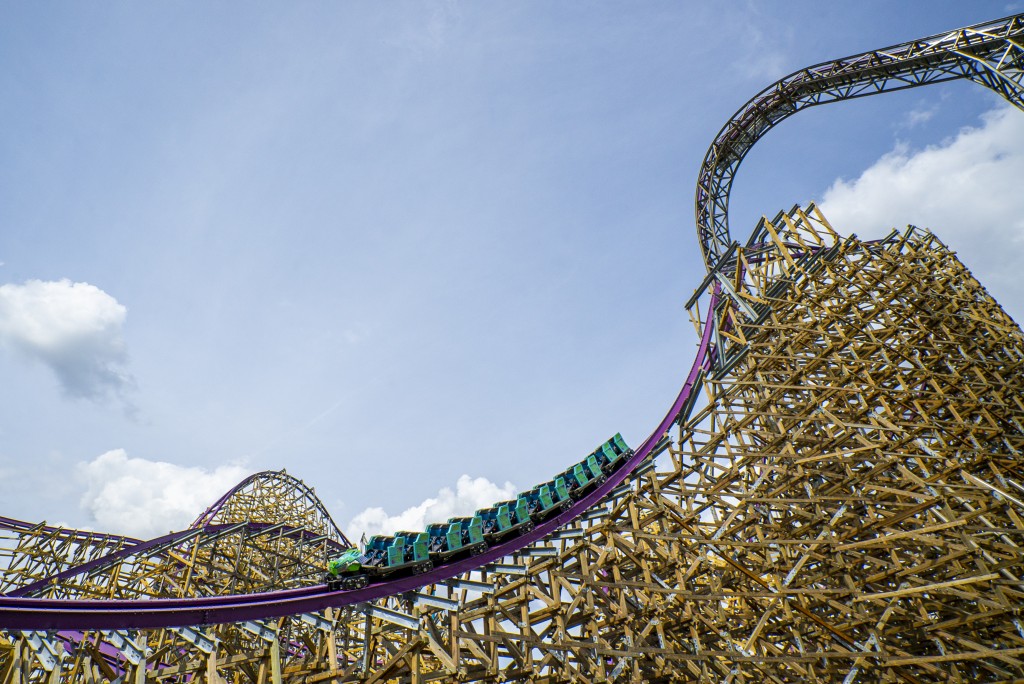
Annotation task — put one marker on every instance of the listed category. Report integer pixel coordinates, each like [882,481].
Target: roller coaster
[835,494]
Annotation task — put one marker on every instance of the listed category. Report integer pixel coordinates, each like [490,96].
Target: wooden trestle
[845,504]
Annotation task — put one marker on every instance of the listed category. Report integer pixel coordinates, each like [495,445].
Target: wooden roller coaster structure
[843,501]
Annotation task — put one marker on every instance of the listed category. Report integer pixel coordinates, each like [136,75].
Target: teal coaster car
[472,529]
[520,510]
[505,519]
[560,492]
[544,501]
[612,454]
[620,446]
[417,552]
[593,467]
[448,540]
[580,479]
[406,552]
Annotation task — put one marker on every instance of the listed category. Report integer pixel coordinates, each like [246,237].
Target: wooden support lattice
[845,504]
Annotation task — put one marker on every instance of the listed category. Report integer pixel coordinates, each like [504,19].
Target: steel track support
[990,54]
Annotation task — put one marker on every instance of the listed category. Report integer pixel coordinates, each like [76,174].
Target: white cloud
[74,328]
[967,190]
[470,495]
[141,498]
[916,117]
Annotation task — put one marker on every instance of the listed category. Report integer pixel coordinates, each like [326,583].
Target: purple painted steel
[28,613]
[73,639]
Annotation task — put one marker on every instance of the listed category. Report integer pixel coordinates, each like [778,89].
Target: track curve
[990,53]
[19,612]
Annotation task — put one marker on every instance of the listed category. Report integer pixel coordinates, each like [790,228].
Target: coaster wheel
[354,583]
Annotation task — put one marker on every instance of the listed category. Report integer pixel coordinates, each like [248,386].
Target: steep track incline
[32,613]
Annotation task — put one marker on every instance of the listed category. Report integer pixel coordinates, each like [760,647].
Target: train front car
[346,571]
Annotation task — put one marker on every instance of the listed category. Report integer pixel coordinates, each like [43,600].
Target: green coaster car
[405,553]
[346,571]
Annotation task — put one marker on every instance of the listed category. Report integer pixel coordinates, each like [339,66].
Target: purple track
[17,612]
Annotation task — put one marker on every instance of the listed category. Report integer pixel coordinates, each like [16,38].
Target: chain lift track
[843,498]
[991,54]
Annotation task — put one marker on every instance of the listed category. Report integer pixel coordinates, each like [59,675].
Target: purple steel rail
[33,613]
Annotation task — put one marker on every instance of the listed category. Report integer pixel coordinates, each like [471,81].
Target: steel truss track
[991,54]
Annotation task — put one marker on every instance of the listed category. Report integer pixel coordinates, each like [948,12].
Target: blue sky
[389,245]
